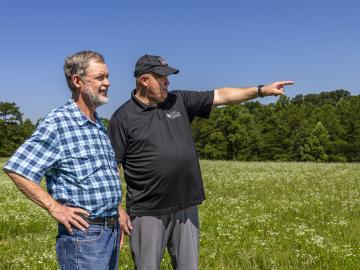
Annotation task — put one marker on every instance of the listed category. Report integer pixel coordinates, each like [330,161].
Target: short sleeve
[118,138]
[36,155]
[198,103]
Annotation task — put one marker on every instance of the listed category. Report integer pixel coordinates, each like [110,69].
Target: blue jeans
[96,248]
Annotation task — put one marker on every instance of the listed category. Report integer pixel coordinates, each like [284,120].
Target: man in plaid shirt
[71,149]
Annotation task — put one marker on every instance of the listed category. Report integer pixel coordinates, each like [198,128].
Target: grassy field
[256,216]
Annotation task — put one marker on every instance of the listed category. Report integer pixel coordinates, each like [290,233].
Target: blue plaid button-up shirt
[76,158]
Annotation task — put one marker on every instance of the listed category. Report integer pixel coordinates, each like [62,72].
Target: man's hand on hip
[69,216]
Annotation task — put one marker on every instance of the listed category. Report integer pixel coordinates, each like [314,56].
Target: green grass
[256,216]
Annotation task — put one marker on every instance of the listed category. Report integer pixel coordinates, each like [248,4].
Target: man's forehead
[96,66]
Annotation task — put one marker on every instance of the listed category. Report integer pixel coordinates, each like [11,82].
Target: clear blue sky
[213,43]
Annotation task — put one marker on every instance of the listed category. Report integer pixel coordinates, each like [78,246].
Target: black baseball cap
[152,63]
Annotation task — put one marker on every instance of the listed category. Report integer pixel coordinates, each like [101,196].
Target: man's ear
[143,80]
[77,81]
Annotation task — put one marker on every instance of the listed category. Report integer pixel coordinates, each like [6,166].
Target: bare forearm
[32,190]
[227,95]
[69,216]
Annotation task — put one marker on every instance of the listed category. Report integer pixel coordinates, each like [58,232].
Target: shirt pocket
[81,163]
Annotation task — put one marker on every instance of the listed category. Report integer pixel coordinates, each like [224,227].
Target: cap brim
[164,70]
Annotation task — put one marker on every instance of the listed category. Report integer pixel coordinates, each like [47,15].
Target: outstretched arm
[227,95]
[69,216]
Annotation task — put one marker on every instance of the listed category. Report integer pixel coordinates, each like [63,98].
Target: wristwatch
[260,93]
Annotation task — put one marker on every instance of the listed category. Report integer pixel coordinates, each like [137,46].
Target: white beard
[96,100]
[99,100]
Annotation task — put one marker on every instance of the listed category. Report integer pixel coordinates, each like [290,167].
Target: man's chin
[101,101]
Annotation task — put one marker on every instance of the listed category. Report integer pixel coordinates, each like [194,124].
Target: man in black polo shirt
[152,139]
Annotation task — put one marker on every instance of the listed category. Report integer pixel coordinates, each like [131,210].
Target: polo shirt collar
[78,116]
[143,106]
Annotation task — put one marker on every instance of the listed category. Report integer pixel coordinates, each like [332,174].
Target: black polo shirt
[156,148]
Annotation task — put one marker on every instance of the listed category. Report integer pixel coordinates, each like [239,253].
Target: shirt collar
[145,107]
[78,116]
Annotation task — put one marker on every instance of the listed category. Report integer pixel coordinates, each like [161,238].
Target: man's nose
[107,82]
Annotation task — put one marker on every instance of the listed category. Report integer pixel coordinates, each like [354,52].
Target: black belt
[103,220]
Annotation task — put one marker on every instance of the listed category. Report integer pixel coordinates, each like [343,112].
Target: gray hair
[78,63]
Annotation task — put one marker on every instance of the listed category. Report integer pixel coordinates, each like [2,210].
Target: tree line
[321,127]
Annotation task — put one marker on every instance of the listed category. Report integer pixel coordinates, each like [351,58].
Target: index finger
[129,225]
[81,211]
[121,239]
[125,229]
[287,82]
[81,221]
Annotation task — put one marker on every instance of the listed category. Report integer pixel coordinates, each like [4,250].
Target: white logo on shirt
[173,114]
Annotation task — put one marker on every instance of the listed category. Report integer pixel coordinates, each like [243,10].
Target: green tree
[216,146]
[10,113]
[281,129]
[348,111]
[26,128]
[209,137]
[13,130]
[105,121]
[316,144]
[286,130]
[241,133]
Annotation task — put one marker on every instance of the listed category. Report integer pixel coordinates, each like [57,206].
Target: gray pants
[178,231]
